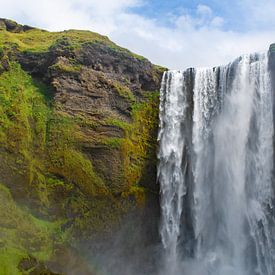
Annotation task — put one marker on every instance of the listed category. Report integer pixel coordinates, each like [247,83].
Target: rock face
[78,121]
[11,26]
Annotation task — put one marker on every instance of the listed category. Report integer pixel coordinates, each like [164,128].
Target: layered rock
[79,118]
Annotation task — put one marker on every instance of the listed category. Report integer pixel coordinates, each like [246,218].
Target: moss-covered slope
[78,123]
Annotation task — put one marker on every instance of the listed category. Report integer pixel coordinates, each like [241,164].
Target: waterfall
[216,169]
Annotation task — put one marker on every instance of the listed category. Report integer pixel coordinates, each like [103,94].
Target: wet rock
[34,267]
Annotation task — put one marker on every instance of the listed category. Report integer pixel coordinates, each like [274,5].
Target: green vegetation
[68,68]
[160,68]
[40,145]
[43,143]
[138,143]
[57,184]
[21,103]
[137,192]
[119,123]
[123,91]
[112,142]
[39,40]
[22,234]
[66,161]
[30,127]
[36,40]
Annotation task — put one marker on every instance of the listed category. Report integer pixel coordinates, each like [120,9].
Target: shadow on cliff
[133,249]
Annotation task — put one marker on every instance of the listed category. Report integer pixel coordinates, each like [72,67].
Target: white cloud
[197,40]
[183,47]
[204,19]
[204,10]
[258,14]
[217,22]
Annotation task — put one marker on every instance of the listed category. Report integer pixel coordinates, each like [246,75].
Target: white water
[171,171]
[221,173]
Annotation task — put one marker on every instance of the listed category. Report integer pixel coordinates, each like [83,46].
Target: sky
[173,33]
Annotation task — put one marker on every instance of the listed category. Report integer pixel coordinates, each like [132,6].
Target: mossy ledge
[78,125]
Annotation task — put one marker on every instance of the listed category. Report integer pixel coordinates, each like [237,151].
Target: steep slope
[78,123]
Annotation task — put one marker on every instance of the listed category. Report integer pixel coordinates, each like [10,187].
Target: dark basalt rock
[34,267]
[36,64]
[137,71]
[12,26]
[88,88]
[272,58]
[84,84]
[96,86]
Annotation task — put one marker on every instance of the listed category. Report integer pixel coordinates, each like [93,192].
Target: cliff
[78,125]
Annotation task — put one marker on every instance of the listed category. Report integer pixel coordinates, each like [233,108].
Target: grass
[30,127]
[44,146]
[123,91]
[21,103]
[68,68]
[113,142]
[37,40]
[22,234]
[138,142]
[40,41]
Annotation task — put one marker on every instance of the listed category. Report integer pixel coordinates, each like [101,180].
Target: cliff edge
[78,126]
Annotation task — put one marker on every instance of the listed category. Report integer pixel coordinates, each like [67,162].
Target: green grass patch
[37,40]
[40,41]
[22,234]
[46,139]
[124,91]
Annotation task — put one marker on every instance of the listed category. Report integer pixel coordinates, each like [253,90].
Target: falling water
[217,186]
[171,170]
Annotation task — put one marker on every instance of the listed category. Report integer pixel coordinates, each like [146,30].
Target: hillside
[78,126]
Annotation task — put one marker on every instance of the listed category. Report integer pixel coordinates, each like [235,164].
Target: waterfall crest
[216,166]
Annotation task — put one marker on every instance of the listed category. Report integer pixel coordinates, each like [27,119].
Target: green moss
[139,141]
[160,68]
[123,91]
[22,234]
[74,167]
[118,123]
[36,40]
[68,68]
[31,128]
[66,161]
[39,41]
[9,260]
[138,146]
[45,147]
[113,142]
[21,103]
[137,192]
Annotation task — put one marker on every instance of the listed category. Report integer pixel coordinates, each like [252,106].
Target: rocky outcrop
[78,118]
[12,26]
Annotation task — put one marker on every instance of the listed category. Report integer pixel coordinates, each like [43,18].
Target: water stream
[216,169]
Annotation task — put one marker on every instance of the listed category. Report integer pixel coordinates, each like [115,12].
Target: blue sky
[161,9]
[235,13]
[173,33]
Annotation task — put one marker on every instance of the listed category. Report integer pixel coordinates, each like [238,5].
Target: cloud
[204,11]
[204,18]
[196,38]
[186,46]
[258,14]
[64,14]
